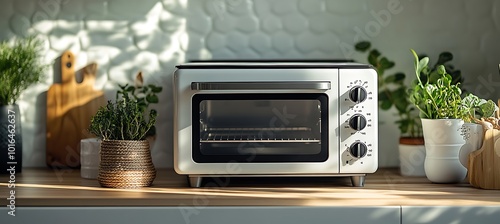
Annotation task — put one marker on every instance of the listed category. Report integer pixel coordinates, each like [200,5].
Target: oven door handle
[311,85]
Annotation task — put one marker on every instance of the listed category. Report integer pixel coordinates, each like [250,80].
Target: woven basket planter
[126,164]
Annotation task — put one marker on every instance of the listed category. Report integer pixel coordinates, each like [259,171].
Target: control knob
[357,122]
[358,149]
[357,94]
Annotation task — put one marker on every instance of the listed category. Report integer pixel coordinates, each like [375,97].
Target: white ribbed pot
[443,141]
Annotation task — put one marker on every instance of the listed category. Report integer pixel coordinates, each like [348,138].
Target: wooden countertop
[47,187]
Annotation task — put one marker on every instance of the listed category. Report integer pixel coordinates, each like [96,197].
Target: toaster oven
[275,119]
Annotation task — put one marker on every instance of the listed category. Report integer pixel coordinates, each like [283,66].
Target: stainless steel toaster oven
[275,119]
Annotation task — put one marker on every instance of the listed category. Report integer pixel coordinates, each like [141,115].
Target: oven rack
[263,135]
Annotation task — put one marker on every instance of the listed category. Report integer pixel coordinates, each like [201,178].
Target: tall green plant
[442,99]
[20,67]
[436,101]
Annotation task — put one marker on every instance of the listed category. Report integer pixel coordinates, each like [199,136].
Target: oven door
[259,127]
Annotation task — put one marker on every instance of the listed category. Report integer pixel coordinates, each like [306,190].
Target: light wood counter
[47,187]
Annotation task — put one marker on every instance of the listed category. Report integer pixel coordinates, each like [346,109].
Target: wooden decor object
[484,164]
[70,106]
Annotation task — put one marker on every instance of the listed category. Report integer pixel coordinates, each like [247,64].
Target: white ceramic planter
[443,141]
[411,160]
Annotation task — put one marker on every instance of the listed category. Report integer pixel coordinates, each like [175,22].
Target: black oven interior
[260,127]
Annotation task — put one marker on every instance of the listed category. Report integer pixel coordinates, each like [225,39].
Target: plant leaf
[151,98]
[362,46]
[373,57]
[130,89]
[385,105]
[488,109]
[156,89]
[385,63]
[444,57]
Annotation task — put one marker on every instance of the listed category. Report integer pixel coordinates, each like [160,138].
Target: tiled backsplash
[127,36]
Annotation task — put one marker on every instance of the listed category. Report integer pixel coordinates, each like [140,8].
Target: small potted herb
[20,67]
[393,94]
[123,126]
[443,112]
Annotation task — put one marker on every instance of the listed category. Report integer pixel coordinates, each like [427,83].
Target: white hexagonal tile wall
[223,54]
[23,7]
[216,41]
[283,7]
[224,24]
[262,7]
[247,54]
[170,23]
[191,42]
[179,7]
[19,24]
[155,41]
[98,23]
[320,23]
[295,23]
[260,42]
[328,43]
[341,7]
[271,24]
[247,24]
[130,10]
[237,41]
[199,23]
[239,7]
[61,40]
[311,7]
[282,42]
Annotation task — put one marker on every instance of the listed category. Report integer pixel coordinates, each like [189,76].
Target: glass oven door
[255,128]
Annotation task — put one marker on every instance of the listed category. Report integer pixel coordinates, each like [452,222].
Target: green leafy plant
[144,95]
[442,99]
[433,75]
[478,108]
[125,119]
[393,92]
[20,67]
[436,101]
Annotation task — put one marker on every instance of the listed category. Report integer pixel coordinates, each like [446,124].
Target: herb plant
[477,107]
[20,67]
[442,99]
[125,119]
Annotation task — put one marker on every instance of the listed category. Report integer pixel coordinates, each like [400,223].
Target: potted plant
[123,126]
[472,130]
[20,67]
[443,112]
[145,96]
[393,94]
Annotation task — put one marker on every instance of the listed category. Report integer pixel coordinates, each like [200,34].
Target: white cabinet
[205,215]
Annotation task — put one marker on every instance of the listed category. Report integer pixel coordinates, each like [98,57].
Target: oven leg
[194,181]
[358,181]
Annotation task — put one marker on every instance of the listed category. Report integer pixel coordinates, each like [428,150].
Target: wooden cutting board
[484,164]
[70,106]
